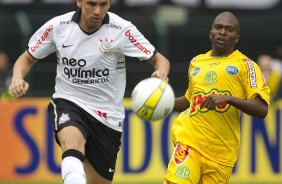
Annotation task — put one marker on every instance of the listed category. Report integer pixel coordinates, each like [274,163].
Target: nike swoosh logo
[65,46]
[111,170]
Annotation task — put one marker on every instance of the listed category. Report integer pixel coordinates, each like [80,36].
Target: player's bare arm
[254,107]
[161,65]
[181,104]
[21,68]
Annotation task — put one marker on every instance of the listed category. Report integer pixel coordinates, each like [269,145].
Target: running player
[86,108]
[222,82]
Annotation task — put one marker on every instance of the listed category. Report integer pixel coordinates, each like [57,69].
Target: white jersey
[91,66]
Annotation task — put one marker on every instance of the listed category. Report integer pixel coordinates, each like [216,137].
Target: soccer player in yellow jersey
[222,82]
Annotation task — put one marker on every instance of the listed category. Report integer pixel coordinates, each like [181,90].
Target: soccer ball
[152,99]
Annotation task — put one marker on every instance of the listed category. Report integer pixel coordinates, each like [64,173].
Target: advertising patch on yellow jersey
[199,97]
[253,78]
[181,153]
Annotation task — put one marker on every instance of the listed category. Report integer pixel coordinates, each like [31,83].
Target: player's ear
[78,3]
[237,38]
[210,35]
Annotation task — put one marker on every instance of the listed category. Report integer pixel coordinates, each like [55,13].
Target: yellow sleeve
[254,81]
[188,93]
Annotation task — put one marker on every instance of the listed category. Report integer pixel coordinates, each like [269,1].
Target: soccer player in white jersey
[91,44]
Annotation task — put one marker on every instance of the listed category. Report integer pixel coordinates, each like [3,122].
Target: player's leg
[70,134]
[214,173]
[184,166]
[101,151]
[92,176]
[72,143]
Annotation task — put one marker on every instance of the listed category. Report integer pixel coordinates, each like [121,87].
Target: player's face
[92,13]
[224,35]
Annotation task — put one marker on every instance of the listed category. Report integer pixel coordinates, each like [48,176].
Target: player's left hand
[213,100]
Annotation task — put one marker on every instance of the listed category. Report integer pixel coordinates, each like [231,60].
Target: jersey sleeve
[254,81]
[188,93]
[41,43]
[134,44]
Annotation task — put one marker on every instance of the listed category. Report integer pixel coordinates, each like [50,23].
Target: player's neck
[89,29]
[220,54]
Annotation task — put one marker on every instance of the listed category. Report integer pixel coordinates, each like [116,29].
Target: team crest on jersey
[64,118]
[199,97]
[181,153]
[182,172]
[106,45]
[210,78]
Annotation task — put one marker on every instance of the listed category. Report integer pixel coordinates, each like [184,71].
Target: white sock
[73,171]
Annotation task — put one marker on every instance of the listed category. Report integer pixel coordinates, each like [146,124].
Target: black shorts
[102,142]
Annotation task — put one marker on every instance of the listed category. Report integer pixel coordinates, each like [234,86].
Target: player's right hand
[18,87]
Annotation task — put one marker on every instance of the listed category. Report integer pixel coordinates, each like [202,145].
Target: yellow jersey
[216,133]
[273,82]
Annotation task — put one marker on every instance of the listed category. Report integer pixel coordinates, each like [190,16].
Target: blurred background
[179,29]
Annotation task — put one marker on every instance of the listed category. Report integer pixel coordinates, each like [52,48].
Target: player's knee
[71,138]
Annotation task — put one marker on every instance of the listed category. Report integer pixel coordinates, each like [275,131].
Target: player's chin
[94,22]
[221,47]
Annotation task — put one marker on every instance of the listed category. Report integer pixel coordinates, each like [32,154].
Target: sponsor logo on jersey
[136,43]
[210,78]
[214,64]
[181,153]
[196,71]
[106,45]
[111,170]
[42,38]
[65,46]
[66,22]
[182,172]
[232,70]
[120,65]
[102,114]
[253,77]
[75,69]
[111,25]
[199,97]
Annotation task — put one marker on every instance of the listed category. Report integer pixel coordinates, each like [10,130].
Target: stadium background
[179,29]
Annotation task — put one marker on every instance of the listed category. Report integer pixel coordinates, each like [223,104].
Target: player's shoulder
[117,22]
[242,58]
[64,19]
[202,56]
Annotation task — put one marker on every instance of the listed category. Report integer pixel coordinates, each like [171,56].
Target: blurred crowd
[271,66]
[5,75]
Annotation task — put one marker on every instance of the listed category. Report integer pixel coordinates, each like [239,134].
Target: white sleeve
[41,44]
[134,44]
